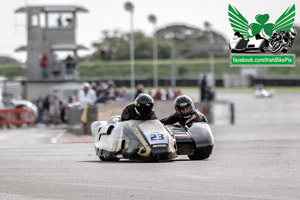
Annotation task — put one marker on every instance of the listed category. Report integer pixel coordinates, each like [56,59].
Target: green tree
[185,36]
[8,60]
[119,46]
[188,38]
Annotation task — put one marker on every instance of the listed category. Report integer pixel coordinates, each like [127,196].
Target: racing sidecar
[240,45]
[260,92]
[134,139]
[150,140]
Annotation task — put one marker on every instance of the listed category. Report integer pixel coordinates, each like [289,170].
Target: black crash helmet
[292,32]
[184,105]
[144,104]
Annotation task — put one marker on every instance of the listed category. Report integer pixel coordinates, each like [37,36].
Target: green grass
[144,68]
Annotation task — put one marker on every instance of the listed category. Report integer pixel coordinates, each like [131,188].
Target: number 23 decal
[158,136]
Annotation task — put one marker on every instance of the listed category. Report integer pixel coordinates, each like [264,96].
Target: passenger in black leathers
[185,114]
[141,109]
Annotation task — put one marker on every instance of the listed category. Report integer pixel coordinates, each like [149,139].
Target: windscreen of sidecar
[152,125]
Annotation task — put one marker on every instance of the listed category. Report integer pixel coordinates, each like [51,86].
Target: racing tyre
[102,158]
[277,47]
[201,153]
[284,50]
[198,157]
[262,47]
[156,159]
[262,50]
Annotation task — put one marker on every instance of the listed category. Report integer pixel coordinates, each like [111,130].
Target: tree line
[115,45]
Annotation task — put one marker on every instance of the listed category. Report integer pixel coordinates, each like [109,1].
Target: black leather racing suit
[188,120]
[130,112]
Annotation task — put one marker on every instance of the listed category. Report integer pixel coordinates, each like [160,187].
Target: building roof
[21,48]
[67,47]
[58,47]
[53,8]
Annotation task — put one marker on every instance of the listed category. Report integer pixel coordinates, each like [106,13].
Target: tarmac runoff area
[257,158]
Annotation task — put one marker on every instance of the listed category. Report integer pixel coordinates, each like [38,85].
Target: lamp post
[207,26]
[152,19]
[130,8]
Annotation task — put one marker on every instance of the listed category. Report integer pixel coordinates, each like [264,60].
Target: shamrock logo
[261,25]
[239,23]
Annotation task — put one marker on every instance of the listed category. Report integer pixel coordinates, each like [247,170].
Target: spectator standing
[63,109]
[86,95]
[70,64]
[46,108]
[102,93]
[39,104]
[71,99]
[111,90]
[44,65]
[158,95]
[210,94]
[121,94]
[139,90]
[56,69]
[203,88]
[94,86]
[59,22]
[177,94]
[169,94]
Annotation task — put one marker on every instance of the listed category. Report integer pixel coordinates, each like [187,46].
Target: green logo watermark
[267,60]
[240,24]
[262,37]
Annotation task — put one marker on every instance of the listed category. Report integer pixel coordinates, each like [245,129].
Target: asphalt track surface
[258,158]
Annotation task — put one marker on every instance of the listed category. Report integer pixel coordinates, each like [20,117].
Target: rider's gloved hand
[189,124]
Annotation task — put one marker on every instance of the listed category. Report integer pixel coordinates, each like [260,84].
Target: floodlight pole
[211,53]
[130,8]
[173,68]
[212,67]
[152,19]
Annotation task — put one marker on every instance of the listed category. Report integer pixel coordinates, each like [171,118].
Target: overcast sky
[110,15]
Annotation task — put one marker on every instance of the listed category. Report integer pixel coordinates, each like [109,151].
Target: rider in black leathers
[185,113]
[141,109]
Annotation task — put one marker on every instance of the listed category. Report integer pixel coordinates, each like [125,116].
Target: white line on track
[213,193]
[57,137]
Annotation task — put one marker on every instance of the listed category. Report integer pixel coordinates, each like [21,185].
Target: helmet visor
[145,110]
[185,110]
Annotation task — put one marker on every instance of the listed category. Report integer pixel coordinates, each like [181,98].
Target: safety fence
[17,116]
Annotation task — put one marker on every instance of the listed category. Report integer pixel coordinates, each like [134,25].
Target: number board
[156,137]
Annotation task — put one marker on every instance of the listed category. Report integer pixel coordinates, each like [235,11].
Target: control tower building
[51,42]
[52,60]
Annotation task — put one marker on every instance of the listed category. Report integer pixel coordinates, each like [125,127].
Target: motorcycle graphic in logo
[262,36]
